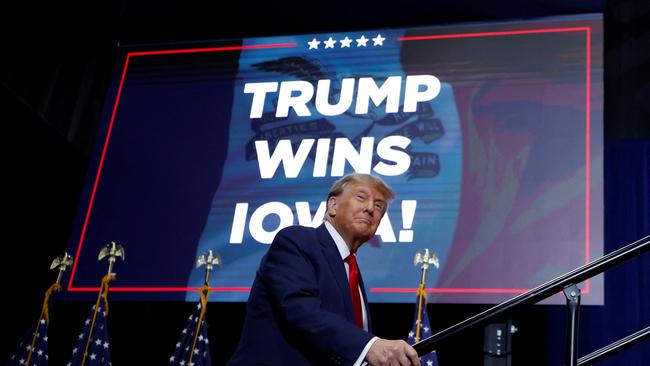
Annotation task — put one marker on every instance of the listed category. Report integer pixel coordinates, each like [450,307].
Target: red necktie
[354,289]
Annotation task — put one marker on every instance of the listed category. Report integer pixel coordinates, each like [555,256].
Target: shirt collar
[343,248]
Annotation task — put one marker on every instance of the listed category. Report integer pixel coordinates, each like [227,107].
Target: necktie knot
[351,260]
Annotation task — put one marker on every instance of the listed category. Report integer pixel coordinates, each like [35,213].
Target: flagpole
[426,259]
[421,296]
[103,292]
[209,259]
[205,292]
[111,251]
[61,263]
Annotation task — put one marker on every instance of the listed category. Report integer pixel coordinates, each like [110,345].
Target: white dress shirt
[344,251]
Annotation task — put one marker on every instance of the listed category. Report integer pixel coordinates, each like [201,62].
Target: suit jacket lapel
[333,258]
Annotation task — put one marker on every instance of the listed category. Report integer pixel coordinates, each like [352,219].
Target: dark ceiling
[58,56]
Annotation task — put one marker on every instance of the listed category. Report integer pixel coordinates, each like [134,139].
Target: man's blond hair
[361,178]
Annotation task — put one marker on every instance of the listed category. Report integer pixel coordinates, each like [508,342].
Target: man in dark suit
[308,304]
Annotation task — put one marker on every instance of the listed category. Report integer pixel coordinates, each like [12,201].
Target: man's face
[356,213]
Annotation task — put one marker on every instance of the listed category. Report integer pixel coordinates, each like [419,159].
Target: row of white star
[346,42]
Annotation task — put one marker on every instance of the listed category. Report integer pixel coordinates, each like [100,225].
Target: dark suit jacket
[299,311]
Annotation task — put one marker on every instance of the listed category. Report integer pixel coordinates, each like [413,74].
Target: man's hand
[386,352]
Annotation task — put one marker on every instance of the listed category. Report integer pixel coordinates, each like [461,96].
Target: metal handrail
[615,347]
[541,292]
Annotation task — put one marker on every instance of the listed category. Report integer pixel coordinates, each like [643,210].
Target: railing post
[572,294]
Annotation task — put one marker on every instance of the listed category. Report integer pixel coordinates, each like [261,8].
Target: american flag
[38,351]
[99,351]
[201,353]
[425,331]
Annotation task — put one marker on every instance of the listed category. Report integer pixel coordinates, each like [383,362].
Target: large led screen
[490,134]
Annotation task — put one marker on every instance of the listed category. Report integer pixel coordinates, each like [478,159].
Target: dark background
[55,66]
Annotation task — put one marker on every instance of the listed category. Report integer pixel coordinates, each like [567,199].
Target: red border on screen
[587,31]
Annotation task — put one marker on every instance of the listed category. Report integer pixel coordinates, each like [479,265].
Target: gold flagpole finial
[61,263]
[209,259]
[426,258]
[112,251]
